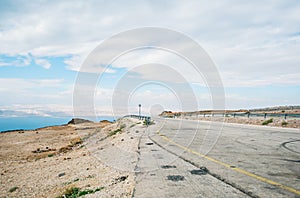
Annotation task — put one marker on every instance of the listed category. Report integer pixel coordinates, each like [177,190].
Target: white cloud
[43,62]
[45,110]
[74,62]
[253,43]
[223,25]
[10,84]
[158,65]
[17,61]
[34,91]
[235,79]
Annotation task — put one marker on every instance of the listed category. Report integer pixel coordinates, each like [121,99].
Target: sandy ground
[46,162]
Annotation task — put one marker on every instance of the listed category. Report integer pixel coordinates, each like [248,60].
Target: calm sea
[14,123]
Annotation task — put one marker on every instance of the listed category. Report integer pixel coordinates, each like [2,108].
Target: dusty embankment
[59,160]
[287,117]
[269,121]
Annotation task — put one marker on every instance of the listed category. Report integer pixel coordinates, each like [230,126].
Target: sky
[254,45]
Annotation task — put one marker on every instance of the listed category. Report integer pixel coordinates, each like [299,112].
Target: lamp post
[140,110]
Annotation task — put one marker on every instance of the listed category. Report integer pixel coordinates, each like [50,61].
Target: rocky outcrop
[78,121]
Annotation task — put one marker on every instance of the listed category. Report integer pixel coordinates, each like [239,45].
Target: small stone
[168,166]
[61,174]
[120,179]
[122,140]
[201,171]
[175,178]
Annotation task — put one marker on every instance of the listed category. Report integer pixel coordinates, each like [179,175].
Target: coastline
[10,124]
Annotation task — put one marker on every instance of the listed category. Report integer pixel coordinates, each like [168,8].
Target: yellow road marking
[231,167]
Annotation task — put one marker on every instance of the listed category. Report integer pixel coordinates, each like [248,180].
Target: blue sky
[255,46]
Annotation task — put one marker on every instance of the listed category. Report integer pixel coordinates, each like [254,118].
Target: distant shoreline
[19,124]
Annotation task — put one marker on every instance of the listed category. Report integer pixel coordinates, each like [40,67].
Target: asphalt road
[201,159]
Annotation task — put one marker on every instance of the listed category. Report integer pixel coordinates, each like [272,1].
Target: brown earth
[47,162]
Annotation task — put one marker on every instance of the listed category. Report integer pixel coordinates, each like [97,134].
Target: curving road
[179,158]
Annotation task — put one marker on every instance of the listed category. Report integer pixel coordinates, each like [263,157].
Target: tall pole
[140,109]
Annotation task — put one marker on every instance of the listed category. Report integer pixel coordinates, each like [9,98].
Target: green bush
[284,123]
[150,123]
[266,122]
[75,192]
[122,126]
[13,189]
[114,132]
[72,192]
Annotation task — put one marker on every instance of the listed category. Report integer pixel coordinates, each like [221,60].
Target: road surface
[185,158]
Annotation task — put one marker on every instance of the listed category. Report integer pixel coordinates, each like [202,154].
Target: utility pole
[140,110]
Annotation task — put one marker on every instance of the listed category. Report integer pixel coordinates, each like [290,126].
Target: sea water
[33,122]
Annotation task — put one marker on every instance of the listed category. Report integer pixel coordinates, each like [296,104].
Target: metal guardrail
[264,115]
[146,118]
